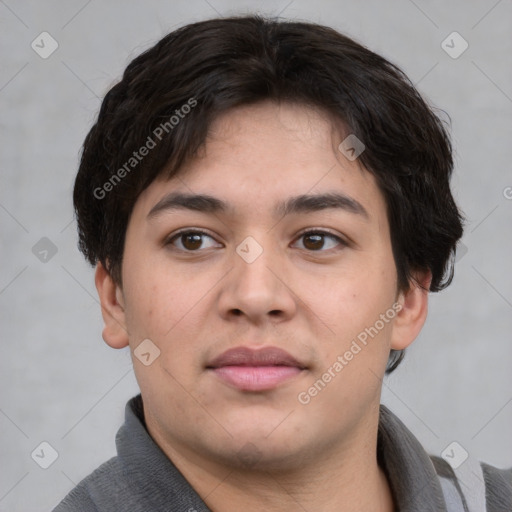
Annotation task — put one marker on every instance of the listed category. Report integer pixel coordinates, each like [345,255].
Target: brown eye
[315,240]
[189,240]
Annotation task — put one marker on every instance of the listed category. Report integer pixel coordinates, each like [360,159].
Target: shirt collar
[408,467]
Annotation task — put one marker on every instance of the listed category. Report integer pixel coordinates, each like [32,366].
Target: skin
[265,450]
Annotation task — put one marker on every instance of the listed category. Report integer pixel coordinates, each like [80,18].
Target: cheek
[144,314]
[353,307]
[156,296]
[169,309]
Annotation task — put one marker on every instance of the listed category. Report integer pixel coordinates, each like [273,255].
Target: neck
[363,488]
[345,477]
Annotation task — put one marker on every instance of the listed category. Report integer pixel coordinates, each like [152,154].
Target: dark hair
[204,69]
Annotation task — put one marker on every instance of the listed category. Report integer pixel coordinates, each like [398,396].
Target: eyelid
[323,231]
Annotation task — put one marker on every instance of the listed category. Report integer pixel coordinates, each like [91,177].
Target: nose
[257,288]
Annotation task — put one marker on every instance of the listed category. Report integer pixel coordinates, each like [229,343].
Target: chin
[260,457]
[264,449]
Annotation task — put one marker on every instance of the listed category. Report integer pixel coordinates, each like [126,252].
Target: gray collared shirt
[141,478]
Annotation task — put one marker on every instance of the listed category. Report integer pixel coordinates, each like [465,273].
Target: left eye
[316,240]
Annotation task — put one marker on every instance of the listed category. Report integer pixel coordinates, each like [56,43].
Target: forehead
[257,157]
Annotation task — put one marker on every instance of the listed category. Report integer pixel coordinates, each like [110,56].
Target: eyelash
[169,241]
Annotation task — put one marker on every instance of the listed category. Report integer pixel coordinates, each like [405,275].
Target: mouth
[255,370]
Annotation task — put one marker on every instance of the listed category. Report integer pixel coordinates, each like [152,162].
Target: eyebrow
[205,203]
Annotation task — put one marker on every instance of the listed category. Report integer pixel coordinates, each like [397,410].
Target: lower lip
[256,378]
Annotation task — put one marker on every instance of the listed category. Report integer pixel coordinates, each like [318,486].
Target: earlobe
[413,313]
[112,309]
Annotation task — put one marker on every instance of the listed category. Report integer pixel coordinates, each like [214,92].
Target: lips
[255,370]
[243,356]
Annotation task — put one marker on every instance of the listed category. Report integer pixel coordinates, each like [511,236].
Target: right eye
[190,240]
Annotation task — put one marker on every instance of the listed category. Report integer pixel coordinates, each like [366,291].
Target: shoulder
[78,500]
[104,481]
[498,485]
[478,483]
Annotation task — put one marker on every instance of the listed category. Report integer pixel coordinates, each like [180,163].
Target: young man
[267,205]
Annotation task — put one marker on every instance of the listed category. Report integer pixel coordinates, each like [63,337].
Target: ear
[413,313]
[112,308]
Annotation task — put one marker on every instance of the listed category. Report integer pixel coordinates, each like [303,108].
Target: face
[308,277]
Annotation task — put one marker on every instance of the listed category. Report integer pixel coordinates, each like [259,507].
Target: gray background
[60,383]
